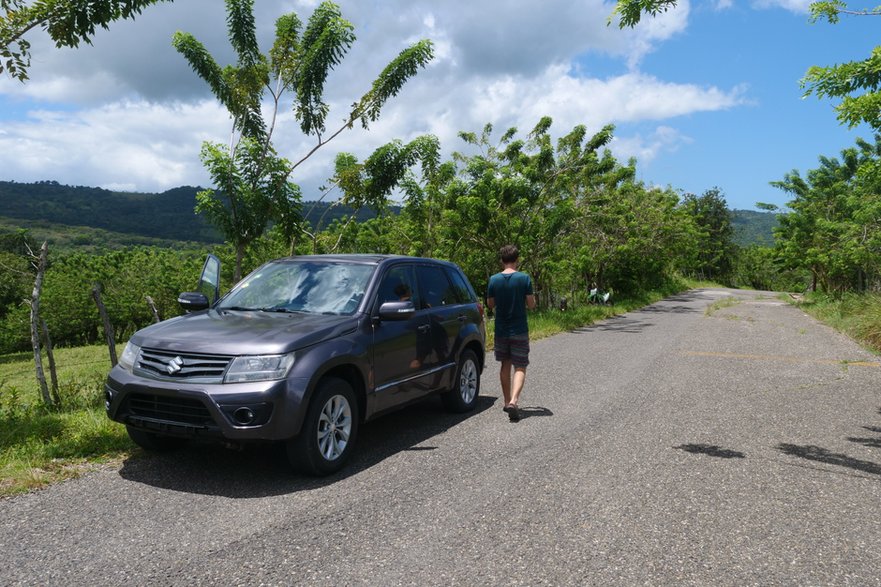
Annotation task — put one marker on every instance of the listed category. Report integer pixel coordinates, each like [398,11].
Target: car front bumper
[237,412]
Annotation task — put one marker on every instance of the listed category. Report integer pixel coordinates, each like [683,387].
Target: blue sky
[705,96]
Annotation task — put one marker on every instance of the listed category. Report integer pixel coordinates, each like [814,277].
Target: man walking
[509,293]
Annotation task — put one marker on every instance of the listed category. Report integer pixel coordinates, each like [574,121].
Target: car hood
[243,333]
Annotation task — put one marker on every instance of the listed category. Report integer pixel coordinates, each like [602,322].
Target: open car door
[208,290]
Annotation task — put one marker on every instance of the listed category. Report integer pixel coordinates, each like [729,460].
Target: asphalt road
[668,446]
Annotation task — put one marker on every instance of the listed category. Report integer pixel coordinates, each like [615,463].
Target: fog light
[108,398]
[244,416]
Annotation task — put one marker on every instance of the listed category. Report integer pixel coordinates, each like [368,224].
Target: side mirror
[209,280]
[193,301]
[397,310]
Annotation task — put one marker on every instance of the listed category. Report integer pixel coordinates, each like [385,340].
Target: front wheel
[466,386]
[329,430]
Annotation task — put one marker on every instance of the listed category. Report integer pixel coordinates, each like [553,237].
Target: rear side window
[436,289]
[460,286]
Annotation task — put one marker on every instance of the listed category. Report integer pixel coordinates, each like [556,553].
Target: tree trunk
[108,329]
[35,322]
[240,255]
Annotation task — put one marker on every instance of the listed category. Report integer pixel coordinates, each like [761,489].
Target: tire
[329,431]
[466,386]
[154,442]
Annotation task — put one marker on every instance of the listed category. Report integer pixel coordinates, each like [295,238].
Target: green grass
[857,315]
[721,304]
[39,446]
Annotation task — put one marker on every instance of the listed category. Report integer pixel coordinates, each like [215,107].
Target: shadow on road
[627,324]
[262,470]
[637,321]
[533,411]
[870,442]
[711,450]
[822,455]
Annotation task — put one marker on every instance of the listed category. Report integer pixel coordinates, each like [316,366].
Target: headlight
[259,368]
[129,356]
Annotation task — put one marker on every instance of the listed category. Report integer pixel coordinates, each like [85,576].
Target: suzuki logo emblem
[174,365]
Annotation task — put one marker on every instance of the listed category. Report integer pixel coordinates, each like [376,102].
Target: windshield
[314,287]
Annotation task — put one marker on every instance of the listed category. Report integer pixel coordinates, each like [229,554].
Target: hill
[168,216]
[753,228]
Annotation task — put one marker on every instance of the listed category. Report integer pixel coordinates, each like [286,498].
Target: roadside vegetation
[41,445]
[856,315]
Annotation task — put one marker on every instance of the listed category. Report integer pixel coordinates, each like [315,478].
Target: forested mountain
[167,216]
[753,228]
[170,215]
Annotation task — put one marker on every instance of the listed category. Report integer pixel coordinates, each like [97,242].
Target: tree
[252,179]
[68,23]
[714,252]
[834,227]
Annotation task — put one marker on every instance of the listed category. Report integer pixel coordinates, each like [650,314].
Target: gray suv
[303,350]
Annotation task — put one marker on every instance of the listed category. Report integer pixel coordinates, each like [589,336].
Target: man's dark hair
[509,254]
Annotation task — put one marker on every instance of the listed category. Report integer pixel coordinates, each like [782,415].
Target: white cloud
[631,97]
[663,139]
[652,31]
[128,111]
[147,147]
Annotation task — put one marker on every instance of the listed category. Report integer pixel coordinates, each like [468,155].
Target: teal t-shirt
[509,291]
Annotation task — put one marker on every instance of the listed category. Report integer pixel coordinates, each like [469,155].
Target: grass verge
[39,446]
[856,315]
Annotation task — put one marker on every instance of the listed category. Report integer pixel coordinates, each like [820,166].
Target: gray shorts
[513,348]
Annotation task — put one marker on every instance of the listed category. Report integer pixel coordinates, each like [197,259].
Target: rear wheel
[466,386]
[329,430]
[154,442]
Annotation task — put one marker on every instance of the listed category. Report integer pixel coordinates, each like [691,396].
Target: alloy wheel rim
[468,381]
[334,427]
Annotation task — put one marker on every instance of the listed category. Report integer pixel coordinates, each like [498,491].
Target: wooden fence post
[108,328]
[53,372]
[153,309]
[35,321]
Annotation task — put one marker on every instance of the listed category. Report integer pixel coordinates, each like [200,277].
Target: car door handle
[424,328]
[462,318]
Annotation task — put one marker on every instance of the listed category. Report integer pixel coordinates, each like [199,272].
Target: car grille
[169,409]
[181,366]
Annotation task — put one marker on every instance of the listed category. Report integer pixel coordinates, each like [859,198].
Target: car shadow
[262,470]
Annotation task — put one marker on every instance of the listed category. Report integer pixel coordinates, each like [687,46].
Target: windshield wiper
[280,309]
[239,309]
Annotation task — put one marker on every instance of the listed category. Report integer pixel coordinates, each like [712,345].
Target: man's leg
[519,360]
[517,387]
[505,378]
